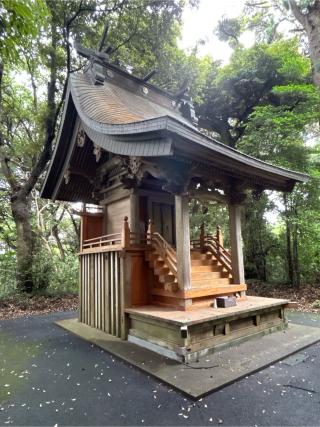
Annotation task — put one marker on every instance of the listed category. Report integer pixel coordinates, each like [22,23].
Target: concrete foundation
[188,337]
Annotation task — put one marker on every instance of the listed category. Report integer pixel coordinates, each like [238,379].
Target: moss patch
[15,356]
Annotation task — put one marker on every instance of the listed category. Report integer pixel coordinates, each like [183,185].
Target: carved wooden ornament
[134,167]
[81,138]
[97,152]
[66,176]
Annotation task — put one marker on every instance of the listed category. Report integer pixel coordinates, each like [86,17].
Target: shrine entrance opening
[164,220]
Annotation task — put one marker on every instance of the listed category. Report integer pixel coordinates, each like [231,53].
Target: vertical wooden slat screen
[100,291]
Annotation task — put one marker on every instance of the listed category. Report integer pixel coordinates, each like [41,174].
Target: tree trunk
[21,214]
[55,233]
[262,265]
[288,241]
[313,32]
[289,253]
[295,253]
[310,22]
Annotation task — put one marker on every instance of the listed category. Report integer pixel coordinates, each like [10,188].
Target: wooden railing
[133,240]
[166,251]
[214,245]
[102,241]
[116,241]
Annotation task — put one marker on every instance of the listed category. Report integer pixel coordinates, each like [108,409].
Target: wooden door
[167,222]
[163,218]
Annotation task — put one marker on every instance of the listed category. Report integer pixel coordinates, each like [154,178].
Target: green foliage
[258,236]
[280,61]
[18,21]
[264,104]
[229,30]
[290,63]
[211,214]
[177,67]
[50,274]
[142,33]
[7,273]
[55,274]
[234,91]
[36,48]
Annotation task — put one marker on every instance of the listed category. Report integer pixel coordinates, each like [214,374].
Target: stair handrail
[223,256]
[214,245]
[165,250]
[221,248]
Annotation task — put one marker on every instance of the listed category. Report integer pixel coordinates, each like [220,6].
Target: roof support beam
[213,195]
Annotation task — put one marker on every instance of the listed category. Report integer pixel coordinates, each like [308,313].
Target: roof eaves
[52,165]
[214,145]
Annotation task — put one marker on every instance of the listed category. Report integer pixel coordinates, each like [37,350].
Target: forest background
[265,102]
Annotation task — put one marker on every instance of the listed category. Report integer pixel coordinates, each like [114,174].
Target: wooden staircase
[165,279]
[206,271]
[210,275]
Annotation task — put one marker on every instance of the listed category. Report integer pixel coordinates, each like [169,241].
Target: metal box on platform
[228,301]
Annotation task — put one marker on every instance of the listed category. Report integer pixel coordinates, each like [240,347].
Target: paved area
[211,372]
[49,377]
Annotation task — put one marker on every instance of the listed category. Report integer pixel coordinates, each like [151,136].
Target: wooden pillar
[183,242]
[150,231]
[219,235]
[82,225]
[134,213]
[150,227]
[202,237]
[236,243]
[125,240]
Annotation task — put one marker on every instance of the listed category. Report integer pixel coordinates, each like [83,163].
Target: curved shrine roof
[111,104]
[128,116]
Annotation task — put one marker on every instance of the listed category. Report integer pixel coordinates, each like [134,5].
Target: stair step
[204,262]
[201,267]
[200,292]
[154,257]
[158,263]
[217,289]
[170,287]
[205,275]
[211,282]
[199,255]
[161,271]
[167,278]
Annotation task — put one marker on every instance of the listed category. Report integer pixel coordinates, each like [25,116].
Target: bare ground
[307,297]
[23,305]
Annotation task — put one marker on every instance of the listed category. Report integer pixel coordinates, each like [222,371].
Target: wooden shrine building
[135,151]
